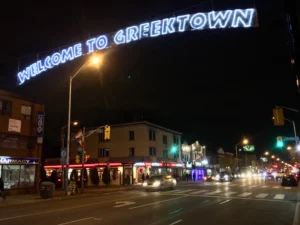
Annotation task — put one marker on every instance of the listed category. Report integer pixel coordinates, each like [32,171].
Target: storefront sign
[14,125]
[9,160]
[40,124]
[156,164]
[198,164]
[188,22]
[139,164]
[188,165]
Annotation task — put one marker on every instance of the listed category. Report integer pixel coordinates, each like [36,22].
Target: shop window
[5,107]
[165,139]
[27,176]
[26,112]
[131,135]
[131,151]
[151,135]
[165,153]
[152,151]
[11,176]
[103,152]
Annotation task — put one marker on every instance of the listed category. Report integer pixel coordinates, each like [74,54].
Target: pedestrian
[147,176]
[143,177]
[2,189]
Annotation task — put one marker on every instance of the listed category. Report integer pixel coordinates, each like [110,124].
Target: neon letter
[77,49]
[168,25]
[182,20]
[34,69]
[155,29]
[55,58]
[40,66]
[23,75]
[198,21]
[219,19]
[48,62]
[119,37]
[67,54]
[90,43]
[243,18]
[101,42]
[144,30]
[132,34]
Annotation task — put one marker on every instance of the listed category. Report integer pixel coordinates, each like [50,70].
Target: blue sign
[291,138]
[193,22]
[10,160]
[63,156]
[40,124]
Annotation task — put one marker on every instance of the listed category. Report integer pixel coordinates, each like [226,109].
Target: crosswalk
[248,194]
[245,185]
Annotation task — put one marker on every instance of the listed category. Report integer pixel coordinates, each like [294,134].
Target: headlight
[242,175]
[174,181]
[145,184]
[217,177]
[213,178]
[156,183]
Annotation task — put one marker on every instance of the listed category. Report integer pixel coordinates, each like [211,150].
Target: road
[251,201]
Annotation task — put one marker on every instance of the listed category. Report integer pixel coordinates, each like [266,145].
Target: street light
[278,159]
[289,148]
[245,142]
[94,60]
[272,156]
[267,153]
[75,123]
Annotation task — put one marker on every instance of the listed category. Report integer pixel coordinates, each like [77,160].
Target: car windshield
[155,178]
[223,173]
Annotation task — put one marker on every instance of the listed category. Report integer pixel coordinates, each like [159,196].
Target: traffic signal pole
[82,162]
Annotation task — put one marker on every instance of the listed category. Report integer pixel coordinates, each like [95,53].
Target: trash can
[47,189]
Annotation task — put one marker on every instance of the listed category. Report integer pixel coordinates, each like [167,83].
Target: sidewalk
[60,194]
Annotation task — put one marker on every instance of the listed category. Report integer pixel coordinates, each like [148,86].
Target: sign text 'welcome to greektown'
[210,20]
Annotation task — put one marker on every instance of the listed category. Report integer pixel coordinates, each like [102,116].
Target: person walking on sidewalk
[2,189]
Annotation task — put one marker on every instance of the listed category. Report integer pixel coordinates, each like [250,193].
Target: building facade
[134,149]
[20,146]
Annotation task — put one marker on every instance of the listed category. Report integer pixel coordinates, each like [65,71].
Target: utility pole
[82,162]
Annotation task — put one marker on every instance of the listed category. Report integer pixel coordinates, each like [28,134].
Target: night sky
[215,86]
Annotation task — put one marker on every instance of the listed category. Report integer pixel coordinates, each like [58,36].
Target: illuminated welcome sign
[198,21]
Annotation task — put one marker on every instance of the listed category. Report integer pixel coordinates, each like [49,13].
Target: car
[289,180]
[278,175]
[209,177]
[224,176]
[160,182]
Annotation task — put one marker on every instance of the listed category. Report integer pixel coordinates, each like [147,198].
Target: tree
[94,176]
[106,176]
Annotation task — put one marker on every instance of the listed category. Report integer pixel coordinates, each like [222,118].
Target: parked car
[160,182]
[289,180]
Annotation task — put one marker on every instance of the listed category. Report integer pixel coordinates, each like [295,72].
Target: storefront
[196,172]
[18,173]
[155,168]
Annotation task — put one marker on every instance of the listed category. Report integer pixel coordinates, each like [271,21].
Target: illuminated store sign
[189,22]
[9,160]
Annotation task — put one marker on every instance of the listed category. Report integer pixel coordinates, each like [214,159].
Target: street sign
[291,138]
[40,124]
[249,148]
[63,156]
[123,203]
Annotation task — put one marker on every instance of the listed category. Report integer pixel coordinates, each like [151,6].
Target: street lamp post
[95,61]
[245,141]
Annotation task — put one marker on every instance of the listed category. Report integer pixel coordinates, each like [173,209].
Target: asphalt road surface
[241,202]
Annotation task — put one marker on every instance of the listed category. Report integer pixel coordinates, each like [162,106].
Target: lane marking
[296,216]
[205,202]
[176,211]
[178,221]
[229,193]
[288,188]
[245,194]
[185,191]
[279,196]
[69,208]
[213,193]
[153,203]
[198,192]
[252,186]
[264,186]
[75,221]
[276,187]
[261,195]
[231,185]
[225,201]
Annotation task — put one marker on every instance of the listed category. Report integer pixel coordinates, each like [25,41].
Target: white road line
[231,185]
[230,193]
[153,203]
[264,186]
[225,201]
[178,221]
[252,186]
[198,192]
[245,194]
[288,188]
[261,195]
[296,215]
[276,187]
[75,221]
[213,193]
[279,196]
[184,191]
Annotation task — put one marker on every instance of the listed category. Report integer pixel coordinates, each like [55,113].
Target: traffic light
[278,117]
[106,133]
[279,143]
[173,149]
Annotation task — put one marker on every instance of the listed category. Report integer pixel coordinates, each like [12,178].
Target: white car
[160,182]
